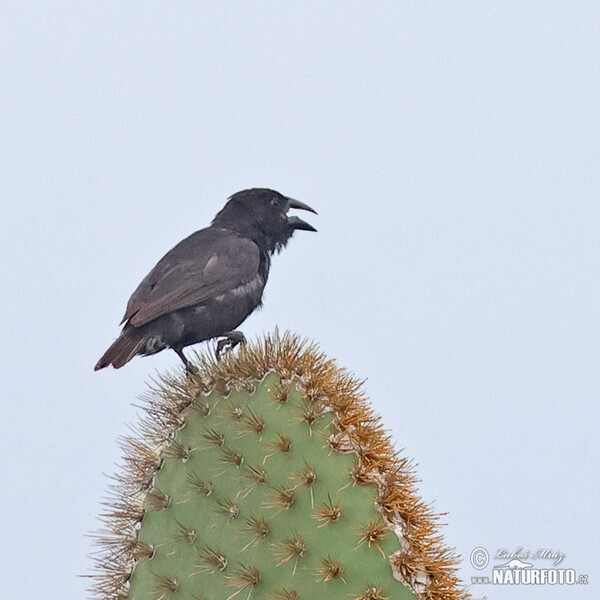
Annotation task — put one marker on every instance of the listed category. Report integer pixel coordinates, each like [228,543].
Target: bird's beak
[292,203]
[295,222]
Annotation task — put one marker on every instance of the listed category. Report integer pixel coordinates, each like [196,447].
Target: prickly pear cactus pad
[266,475]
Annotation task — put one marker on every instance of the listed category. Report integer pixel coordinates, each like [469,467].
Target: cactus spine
[266,475]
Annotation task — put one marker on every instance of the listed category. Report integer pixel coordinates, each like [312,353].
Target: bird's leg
[230,340]
[190,369]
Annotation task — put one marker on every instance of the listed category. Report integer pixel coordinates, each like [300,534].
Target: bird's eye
[274,202]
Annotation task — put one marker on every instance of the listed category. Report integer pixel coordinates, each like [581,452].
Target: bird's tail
[122,350]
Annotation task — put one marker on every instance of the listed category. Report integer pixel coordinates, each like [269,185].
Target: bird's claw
[191,370]
[230,340]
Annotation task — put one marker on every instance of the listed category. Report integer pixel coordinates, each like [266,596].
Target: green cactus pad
[266,476]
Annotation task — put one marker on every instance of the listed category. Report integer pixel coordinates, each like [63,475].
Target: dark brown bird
[210,282]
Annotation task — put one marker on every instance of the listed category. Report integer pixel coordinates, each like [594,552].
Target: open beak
[292,203]
[295,222]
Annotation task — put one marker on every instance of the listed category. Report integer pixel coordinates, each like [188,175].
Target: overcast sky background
[452,151]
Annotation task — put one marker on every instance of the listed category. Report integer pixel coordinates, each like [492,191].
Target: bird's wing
[202,266]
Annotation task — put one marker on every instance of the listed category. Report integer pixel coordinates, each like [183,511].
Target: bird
[210,282]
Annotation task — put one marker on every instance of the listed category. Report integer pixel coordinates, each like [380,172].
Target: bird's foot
[190,369]
[230,340]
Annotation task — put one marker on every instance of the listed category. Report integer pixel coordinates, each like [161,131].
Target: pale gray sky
[452,151]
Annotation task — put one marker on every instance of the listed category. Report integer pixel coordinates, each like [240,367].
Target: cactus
[266,475]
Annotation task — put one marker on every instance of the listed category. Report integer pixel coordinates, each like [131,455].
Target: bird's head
[262,215]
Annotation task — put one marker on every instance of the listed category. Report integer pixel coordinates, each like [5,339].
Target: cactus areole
[266,475]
